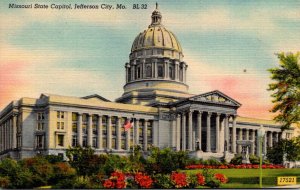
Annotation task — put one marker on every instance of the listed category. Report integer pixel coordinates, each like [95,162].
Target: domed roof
[156,36]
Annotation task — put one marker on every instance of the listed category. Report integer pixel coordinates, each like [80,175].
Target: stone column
[265,145]
[166,69]
[217,132]
[14,132]
[183,72]
[126,68]
[79,129]
[199,129]
[270,139]
[136,131]
[145,137]
[222,135]
[99,133]
[176,70]
[127,142]
[227,132]
[109,137]
[276,137]
[257,145]
[253,139]
[183,131]
[119,133]
[178,119]
[143,69]
[247,134]
[173,130]
[90,131]
[240,138]
[133,72]
[190,134]
[208,147]
[155,69]
[234,134]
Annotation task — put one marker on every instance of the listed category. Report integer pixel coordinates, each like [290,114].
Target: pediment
[215,97]
[96,97]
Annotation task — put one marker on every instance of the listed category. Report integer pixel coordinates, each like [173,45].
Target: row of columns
[187,136]
[222,133]
[109,133]
[179,74]
[8,134]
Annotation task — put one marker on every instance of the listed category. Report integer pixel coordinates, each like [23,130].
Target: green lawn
[249,178]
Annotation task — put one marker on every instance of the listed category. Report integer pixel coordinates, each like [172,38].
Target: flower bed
[119,180]
[229,166]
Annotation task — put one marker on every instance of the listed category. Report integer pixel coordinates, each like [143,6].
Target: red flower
[200,179]
[143,180]
[221,177]
[108,184]
[179,179]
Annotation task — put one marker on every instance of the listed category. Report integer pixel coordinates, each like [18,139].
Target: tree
[85,161]
[288,147]
[286,89]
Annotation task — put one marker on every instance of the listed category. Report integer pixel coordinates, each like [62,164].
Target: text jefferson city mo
[75,6]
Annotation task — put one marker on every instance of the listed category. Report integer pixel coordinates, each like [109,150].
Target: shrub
[165,161]
[4,182]
[236,160]
[162,181]
[254,159]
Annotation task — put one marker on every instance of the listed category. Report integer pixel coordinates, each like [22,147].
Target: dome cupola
[155,64]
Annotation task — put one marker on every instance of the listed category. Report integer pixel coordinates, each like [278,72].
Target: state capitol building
[155,98]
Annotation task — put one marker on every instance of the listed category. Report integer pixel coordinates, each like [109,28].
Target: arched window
[160,71]
[148,71]
[171,72]
[180,74]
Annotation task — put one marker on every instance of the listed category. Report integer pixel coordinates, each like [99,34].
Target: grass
[249,178]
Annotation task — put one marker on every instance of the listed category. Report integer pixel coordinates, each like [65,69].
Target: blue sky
[228,45]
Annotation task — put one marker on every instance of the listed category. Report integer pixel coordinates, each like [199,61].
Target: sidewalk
[288,186]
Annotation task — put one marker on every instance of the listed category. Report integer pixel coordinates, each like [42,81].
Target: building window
[129,75]
[39,141]
[60,140]
[104,143]
[148,71]
[113,143]
[171,73]
[149,132]
[181,74]
[95,123]
[40,126]
[123,144]
[60,125]
[74,127]
[160,71]
[94,142]
[40,116]
[74,140]
[138,72]
[60,115]
[113,125]
[104,125]
[84,141]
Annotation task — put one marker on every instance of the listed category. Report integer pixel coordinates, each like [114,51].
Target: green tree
[286,87]
[85,161]
[288,147]
[17,176]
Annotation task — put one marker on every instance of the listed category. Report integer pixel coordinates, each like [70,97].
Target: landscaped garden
[160,168]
